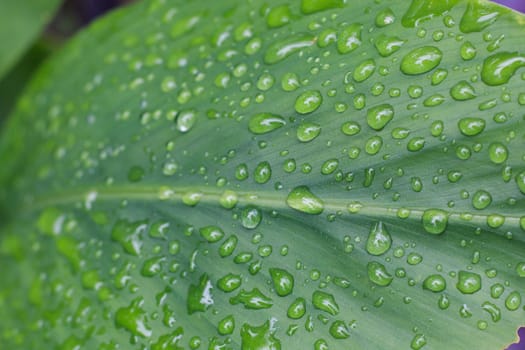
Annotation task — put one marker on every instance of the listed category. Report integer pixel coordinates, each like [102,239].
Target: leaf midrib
[266,200]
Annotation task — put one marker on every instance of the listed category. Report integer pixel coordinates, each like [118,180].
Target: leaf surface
[267,175]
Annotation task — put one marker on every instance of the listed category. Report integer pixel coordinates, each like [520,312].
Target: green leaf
[20,24]
[192,175]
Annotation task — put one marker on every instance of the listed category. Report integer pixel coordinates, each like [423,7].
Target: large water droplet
[385,17]
[339,330]
[229,283]
[364,70]
[423,10]
[306,132]
[297,309]
[325,302]
[251,217]
[479,15]
[226,325]
[462,91]
[418,342]
[435,221]
[133,319]
[500,67]
[302,199]
[379,240]
[211,233]
[278,16]
[421,60]
[312,6]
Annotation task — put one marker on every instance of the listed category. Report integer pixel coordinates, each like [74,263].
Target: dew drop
[520,181]
[350,128]
[421,60]
[418,342]
[434,221]
[253,300]
[133,319]
[329,166]
[199,296]
[513,301]
[435,283]
[379,240]
[325,302]
[228,246]
[186,120]
[211,233]
[312,6]
[283,281]
[280,50]
[468,282]
[265,122]
[307,131]
[308,101]
[251,217]
[481,199]
[385,17]
[297,309]
[438,76]
[479,15]
[378,274]
[373,145]
[500,67]
[349,38]
[387,45]
[468,51]
[339,330]
[364,70]
[226,325]
[493,310]
[303,200]
[423,10]
[262,172]
[229,283]
[379,116]
[462,91]
[471,126]
[278,16]
[258,337]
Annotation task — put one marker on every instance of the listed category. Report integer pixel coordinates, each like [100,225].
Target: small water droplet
[387,45]
[325,302]
[258,337]
[379,116]
[265,122]
[468,51]
[481,199]
[462,91]
[297,309]
[339,330]
[435,221]
[280,50]
[435,283]
[262,172]
[211,233]
[229,283]
[379,240]
[364,70]
[307,131]
[253,300]
[278,16]
[283,281]
[251,217]
[418,342]
[199,296]
[385,17]
[349,38]
[513,301]
[226,325]
[471,126]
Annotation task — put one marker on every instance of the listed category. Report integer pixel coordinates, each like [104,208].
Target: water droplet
[326,37]
[279,50]
[265,122]
[435,283]
[228,199]
[329,166]
[373,145]
[468,51]
[471,126]
[493,310]
[253,300]
[320,344]
[462,91]
[443,302]
[387,45]
[262,173]
[278,16]
[226,325]
[265,82]
[258,337]
[133,319]
[414,258]
[306,132]
[378,274]
[229,283]
[297,309]
[424,10]
[308,102]
[211,233]
[520,181]
[435,221]
[479,15]
[349,38]
[418,342]
[350,128]
[339,330]
[199,296]
[438,76]
[520,269]
[495,220]
[152,266]
[496,290]
[325,302]
[290,82]
[186,120]
[513,301]
[129,235]
[303,200]
[500,67]
[135,173]
[379,240]
[385,17]
[416,144]
[364,70]
[468,282]
[251,217]
[379,116]
[421,60]
[283,281]
[481,199]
